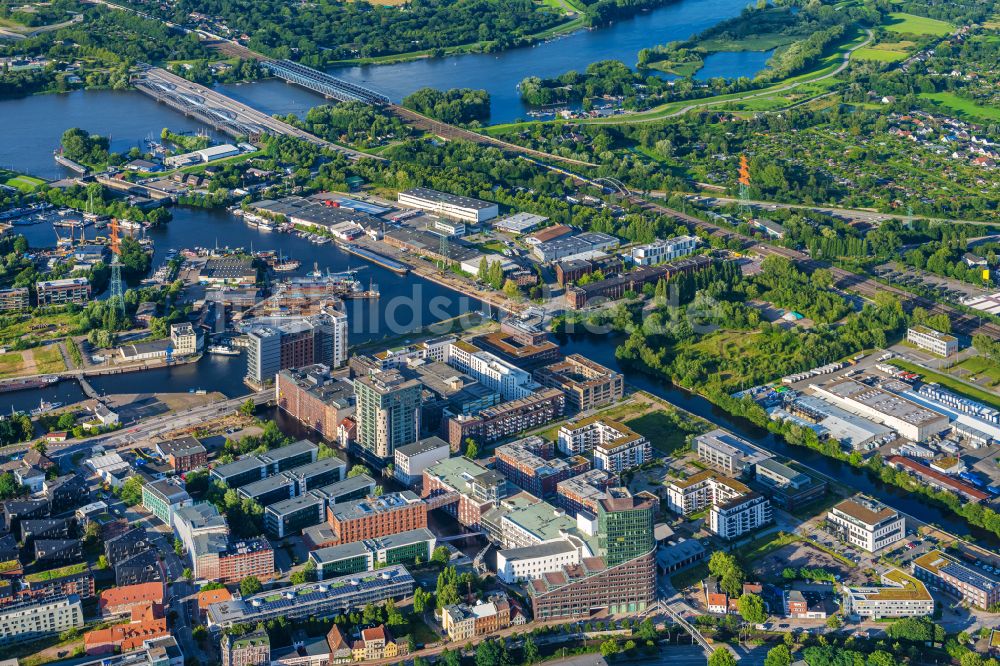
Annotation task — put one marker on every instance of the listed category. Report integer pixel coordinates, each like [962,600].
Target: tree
[9,487]
[248,407]
[187,574]
[102,561]
[441,555]
[392,615]
[722,657]
[212,585]
[488,653]
[511,290]
[779,655]
[40,447]
[131,491]
[250,586]
[66,421]
[609,648]
[725,567]
[421,600]
[357,470]
[876,658]
[751,608]
[450,658]
[471,450]
[834,622]
[531,654]
[371,614]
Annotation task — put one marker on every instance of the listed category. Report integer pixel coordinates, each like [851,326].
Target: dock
[70,164]
[375,258]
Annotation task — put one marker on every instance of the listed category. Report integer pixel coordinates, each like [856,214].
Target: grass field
[910,24]
[965,107]
[761,42]
[37,361]
[25,184]
[978,366]
[993,23]
[950,383]
[881,55]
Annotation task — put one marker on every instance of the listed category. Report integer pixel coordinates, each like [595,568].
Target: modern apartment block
[163,498]
[323,599]
[582,492]
[866,523]
[615,446]
[530,464]
[314,398]
[14,299]
[60,292]
[374,517]
[450,205]
[734,509]
[933,341]
[900,595]
[587,385]
[662,250]
[30,620]
[279,344]
[507,419]
[971,585]
[387,413]
[731,455]
[742,515]
[411,460]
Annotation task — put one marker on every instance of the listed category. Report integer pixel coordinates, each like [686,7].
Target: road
[655,117]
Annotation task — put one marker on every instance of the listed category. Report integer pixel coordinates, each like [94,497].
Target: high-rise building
[277,344]
[388,412]
[624,526]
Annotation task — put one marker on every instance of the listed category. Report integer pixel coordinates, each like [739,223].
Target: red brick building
[507,419]
[580,590]
[250,557]
[73,579]
[374,517]
[314,398]
[121,600]
[124,636]
[184,454]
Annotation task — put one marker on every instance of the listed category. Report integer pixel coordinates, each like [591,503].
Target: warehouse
[561,248]
[451,205]
[904,416]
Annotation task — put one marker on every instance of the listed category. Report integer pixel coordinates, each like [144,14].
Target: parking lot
[945,287]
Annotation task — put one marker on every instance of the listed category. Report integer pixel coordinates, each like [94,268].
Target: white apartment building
[734,509]
[616,447]
[660,250]
[515,565]
[411,460]
[28,620]
[462,208]
[728,453]
[510,381]
[933,341]
[901,595]
[866,523]
[739,516]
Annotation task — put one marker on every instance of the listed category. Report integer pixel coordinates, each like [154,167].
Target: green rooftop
[52,574]
[10,565]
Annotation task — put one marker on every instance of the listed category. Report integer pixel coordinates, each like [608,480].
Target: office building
[933,341]
[320,600]
[463,622]
[450,205]
[184,339]
[582,492]
[29,620]
[388,413]
[510,381]
[661,250]
[971,585]
[249,649]
[411,460]
[447,391]
[507,419]
[311,476]
[731,455]
[581,245]
[285,458]
[163,498]
[594,587]
[587,385]
[571,270]
[531,465]
[60,292]
[198,520]
[515,565]
[14,299]
[625,526]
[291,516]
[314,398]
[906,417]
[476,489]
[369,554]
[787,487]
[270,490]
[615,446]
[900,595]
[239,559]
[520,223]
[184,454]
[374,517]
[866,523]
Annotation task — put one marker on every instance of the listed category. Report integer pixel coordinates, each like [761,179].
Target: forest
[455,106]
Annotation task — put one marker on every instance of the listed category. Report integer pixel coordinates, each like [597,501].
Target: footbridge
[442,500]
[324,84]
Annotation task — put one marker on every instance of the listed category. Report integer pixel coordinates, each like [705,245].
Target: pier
[375,258]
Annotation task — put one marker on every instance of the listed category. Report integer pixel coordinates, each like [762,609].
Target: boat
[223,350]
[315,272]
[31,383]
[45,407]
[287,265]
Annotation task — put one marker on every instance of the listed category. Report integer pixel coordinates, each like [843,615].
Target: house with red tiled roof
[121,600]
[125,636]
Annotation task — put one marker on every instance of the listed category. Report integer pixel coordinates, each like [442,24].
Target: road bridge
[221,112]
[324,84]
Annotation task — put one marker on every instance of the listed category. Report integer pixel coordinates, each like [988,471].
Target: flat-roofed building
[234,270]
[388,412]
[852,431]
[530,464]
[582,492]
[163,498]
[314,398]
[451,205]
[411,460]
[662,250]
[866,523]
[524,350]
[904,416]
[900,595]
[475,488]
[741,515]
[380,516]
[317,474]
[615,446]
[731,455]
[971,585]
[30,620]
[240,472]
[933,341]
[288,457]
[291,516]
[507,419]
[510,381]
[788,487]
[520,223]
[183,454]
[58,292]
[734,509]
[321,600]
[515,565]
[369,554]
[269,491]
[587,385]
[198,520]
[14,299]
